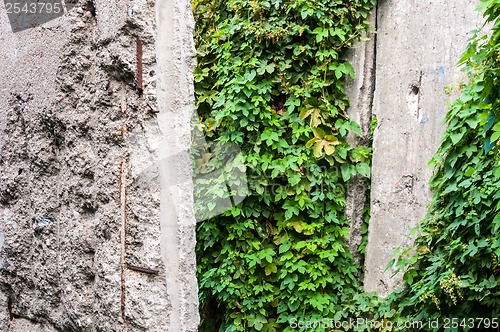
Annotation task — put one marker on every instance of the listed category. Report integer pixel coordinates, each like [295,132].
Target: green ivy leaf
[496,223]
[496,133]
[363,169]
[469,172]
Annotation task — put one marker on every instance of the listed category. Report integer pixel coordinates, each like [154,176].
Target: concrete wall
[96,220]
[417,46]
[93,236]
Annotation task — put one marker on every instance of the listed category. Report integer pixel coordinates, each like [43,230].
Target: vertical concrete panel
[176,61]
[418,45]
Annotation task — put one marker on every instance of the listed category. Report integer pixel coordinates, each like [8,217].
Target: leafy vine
[270,80]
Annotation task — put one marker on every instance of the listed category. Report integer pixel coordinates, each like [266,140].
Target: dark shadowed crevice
[358,191]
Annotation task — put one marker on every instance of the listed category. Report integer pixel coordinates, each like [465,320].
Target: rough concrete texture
[418,44]
[83,223]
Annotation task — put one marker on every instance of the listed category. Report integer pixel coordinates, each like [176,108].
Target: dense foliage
[270,80]
[455,272]
[270,84]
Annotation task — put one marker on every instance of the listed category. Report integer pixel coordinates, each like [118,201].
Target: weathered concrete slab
[176,62]
[89,241]
[418,45]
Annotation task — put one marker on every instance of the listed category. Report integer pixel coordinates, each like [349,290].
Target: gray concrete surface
[418,45]
[89,240]
[176,61]
[96,208]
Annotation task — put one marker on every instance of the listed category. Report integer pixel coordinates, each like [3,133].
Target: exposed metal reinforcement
[138,68]
[143,269]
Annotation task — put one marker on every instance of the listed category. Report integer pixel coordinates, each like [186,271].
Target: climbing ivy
[270,81]
[454,274]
